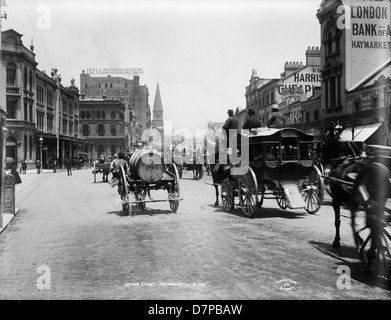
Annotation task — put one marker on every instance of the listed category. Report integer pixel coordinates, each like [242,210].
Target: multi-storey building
[129,91]
[263,94]
[356,72]
[37,106]
[103,123]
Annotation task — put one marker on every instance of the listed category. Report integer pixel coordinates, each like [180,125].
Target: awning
[361,133]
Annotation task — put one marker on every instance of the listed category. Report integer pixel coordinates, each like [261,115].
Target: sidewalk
[26,180]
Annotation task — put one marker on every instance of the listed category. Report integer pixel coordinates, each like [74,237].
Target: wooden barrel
[147,164]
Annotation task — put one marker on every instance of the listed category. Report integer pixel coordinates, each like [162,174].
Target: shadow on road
[146,212]
[262,212]
[348,256]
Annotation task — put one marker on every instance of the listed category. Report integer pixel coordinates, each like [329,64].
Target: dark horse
[344,164]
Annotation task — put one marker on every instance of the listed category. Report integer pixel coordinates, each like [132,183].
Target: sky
[200,52]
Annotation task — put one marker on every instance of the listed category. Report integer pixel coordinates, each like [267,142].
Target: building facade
[134,96]
[103,123]
[356,53]
[37,105]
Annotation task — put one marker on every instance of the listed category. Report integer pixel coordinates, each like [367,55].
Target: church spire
[157,109]
[157,105]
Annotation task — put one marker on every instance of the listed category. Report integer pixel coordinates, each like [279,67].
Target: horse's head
[334,150]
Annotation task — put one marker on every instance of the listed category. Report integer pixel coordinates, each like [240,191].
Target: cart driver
[115,167]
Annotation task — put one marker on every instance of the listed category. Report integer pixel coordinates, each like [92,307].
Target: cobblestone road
[71,225]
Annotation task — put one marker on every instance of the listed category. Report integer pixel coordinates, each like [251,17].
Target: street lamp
[40,146]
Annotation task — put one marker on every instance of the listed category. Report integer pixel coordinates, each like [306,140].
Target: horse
[344,165]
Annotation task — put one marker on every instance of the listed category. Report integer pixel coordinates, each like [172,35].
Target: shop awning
[361,133]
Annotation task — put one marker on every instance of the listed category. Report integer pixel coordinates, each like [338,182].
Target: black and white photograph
[194,155]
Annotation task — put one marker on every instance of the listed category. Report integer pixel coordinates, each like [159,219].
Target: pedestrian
[38,165]
[68,164]
[55,165]
[252,120]
[24,166]
[16,175]
[19,168]
[276,118]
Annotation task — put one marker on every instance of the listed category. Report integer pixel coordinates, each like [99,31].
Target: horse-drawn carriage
[102,165]
[147,171]
[281,167]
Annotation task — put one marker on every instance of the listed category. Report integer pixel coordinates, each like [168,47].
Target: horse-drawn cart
[280,167]
[147,172]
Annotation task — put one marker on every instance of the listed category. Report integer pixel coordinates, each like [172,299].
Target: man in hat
[230,124]
[276,118]
[252,120]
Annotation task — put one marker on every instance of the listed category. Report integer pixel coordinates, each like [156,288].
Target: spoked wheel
[281,200]
[227,195]
[312,191]
[174,204]
[372,226]
[124,192]
[248,193]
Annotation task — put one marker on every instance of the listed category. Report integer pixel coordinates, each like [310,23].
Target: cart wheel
[174,204]
[371,227]
[124,192]
[227,195]
[281,200]
[312,191]
[248,193]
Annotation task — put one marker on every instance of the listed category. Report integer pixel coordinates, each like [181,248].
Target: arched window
[93,115]
[101,130]
[11,74]
[98,115]
[85,130]
[113,130]
[88,115]
[103,115]
[82,114]
[112,114]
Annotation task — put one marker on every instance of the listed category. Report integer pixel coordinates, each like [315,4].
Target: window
[103,115]
[50,98]
[101,149]
[357,105]
[31,111]
[25,105]
[85,130]
[11,75]
[93,115]
[25,78]
[11,109]
[101,130]
[316,115]
[113,130]
[112,114]
[98,115]
[375,102]
[307,117]
[113,149]
[332,92]
[31,147]
[289,149]
[111,85]
[88,115]
[31,81]
[105,85]
[82,114]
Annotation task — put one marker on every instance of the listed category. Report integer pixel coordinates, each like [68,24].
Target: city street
[71,228]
